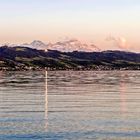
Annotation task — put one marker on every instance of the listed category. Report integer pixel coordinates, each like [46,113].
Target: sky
[109,24]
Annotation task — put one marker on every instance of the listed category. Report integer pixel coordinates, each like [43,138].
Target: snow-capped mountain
[63,46]
[36,44]
[72,45]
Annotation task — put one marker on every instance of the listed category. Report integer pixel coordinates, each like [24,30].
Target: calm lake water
[70,105]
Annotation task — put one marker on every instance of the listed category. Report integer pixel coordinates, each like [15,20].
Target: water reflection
[82,105]
[123,95]
[46,101]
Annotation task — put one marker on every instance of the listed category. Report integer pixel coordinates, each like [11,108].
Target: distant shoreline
[71,69]
[24,59]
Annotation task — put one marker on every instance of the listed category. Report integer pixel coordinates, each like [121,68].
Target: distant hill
[18,58]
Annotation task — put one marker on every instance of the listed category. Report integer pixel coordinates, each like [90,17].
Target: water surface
[64,105]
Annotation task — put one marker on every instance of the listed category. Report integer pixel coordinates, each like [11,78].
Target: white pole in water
[46,101]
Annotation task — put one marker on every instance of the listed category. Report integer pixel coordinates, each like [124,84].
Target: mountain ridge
[25,58]
[63,46]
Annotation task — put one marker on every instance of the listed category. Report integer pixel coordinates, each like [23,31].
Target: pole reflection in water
[123,95]
[46,102]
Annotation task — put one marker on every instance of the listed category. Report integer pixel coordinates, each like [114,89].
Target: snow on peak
[63,46]
[36,44]
[72,45]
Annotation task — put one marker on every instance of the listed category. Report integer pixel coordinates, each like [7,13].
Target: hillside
[24,58]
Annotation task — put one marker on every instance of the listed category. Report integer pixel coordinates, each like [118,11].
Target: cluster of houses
[80,68]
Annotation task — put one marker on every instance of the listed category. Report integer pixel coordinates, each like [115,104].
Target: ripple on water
[70,105]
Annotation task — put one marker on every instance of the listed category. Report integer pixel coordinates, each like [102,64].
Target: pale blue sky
[87,20]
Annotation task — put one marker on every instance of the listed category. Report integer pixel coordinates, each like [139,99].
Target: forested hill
[20,58]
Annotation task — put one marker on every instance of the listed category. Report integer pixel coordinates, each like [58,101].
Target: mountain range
[63,46]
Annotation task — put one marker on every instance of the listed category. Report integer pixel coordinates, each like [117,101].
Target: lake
[66,105]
